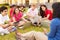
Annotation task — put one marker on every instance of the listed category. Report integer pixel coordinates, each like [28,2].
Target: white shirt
[33,12]
[3,18]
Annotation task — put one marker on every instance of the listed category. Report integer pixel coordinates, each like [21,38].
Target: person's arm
[29,14]
[53,29]
[4,25]
[13,19]
[24,19]
[48,16]
[36,12]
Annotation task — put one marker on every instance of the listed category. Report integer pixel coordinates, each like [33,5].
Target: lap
[2,30]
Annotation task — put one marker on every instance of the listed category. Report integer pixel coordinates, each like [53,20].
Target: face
[4,12]
[43,8]
[16,10]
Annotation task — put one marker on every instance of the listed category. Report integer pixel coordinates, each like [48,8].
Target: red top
[50,13]
[11,12]
[18,16]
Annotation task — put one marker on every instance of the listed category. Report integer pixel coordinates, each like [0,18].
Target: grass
[28,27]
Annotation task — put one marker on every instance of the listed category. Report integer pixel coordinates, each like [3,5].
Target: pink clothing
[18,16]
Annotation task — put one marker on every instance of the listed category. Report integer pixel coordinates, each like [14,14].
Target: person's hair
[15,9]
[12,6]
[3,8]
[29,6]
[41,11]
[22,6]
[56,10]
[33,4]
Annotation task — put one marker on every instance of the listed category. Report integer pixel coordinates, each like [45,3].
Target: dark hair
[29,6]
[2,8]
[12,6]
[56,10]
[15,9]
[42,13]
[22,6]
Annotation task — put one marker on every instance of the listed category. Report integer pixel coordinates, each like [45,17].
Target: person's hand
[5,26]
[26,21]
[45,18]
[11,23]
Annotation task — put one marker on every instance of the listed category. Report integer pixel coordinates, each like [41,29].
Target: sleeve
[53,28]
[7,18]
[49,12]
[1,22]
[36,11]
[28,11]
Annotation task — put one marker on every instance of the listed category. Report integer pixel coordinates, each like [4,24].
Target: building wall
[58,0]
[24,1]
[32,1]
[1,1]
[43,1]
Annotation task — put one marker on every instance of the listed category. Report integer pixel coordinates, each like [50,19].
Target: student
[54,33]
[12,7]
[45,13]
[4,28]
[32,14]
[18,17]
[22,8]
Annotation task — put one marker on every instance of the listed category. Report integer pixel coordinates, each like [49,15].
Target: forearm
[24,19]
[4,25]
[48,16]
[30,16]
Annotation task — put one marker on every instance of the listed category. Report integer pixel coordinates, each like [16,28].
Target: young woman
[18,17]
[54,33]
[45,13]
[12,10]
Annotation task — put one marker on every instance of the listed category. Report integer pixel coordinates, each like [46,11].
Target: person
[5,28]
[32,35]
[32,15]
[45,13]
[21,8]
[12,7]
[18,17]
[54,33]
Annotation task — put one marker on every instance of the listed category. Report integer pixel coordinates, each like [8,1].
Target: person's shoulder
[36,9]
[55,20]
[0,15]
[48,10]
[29,9]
